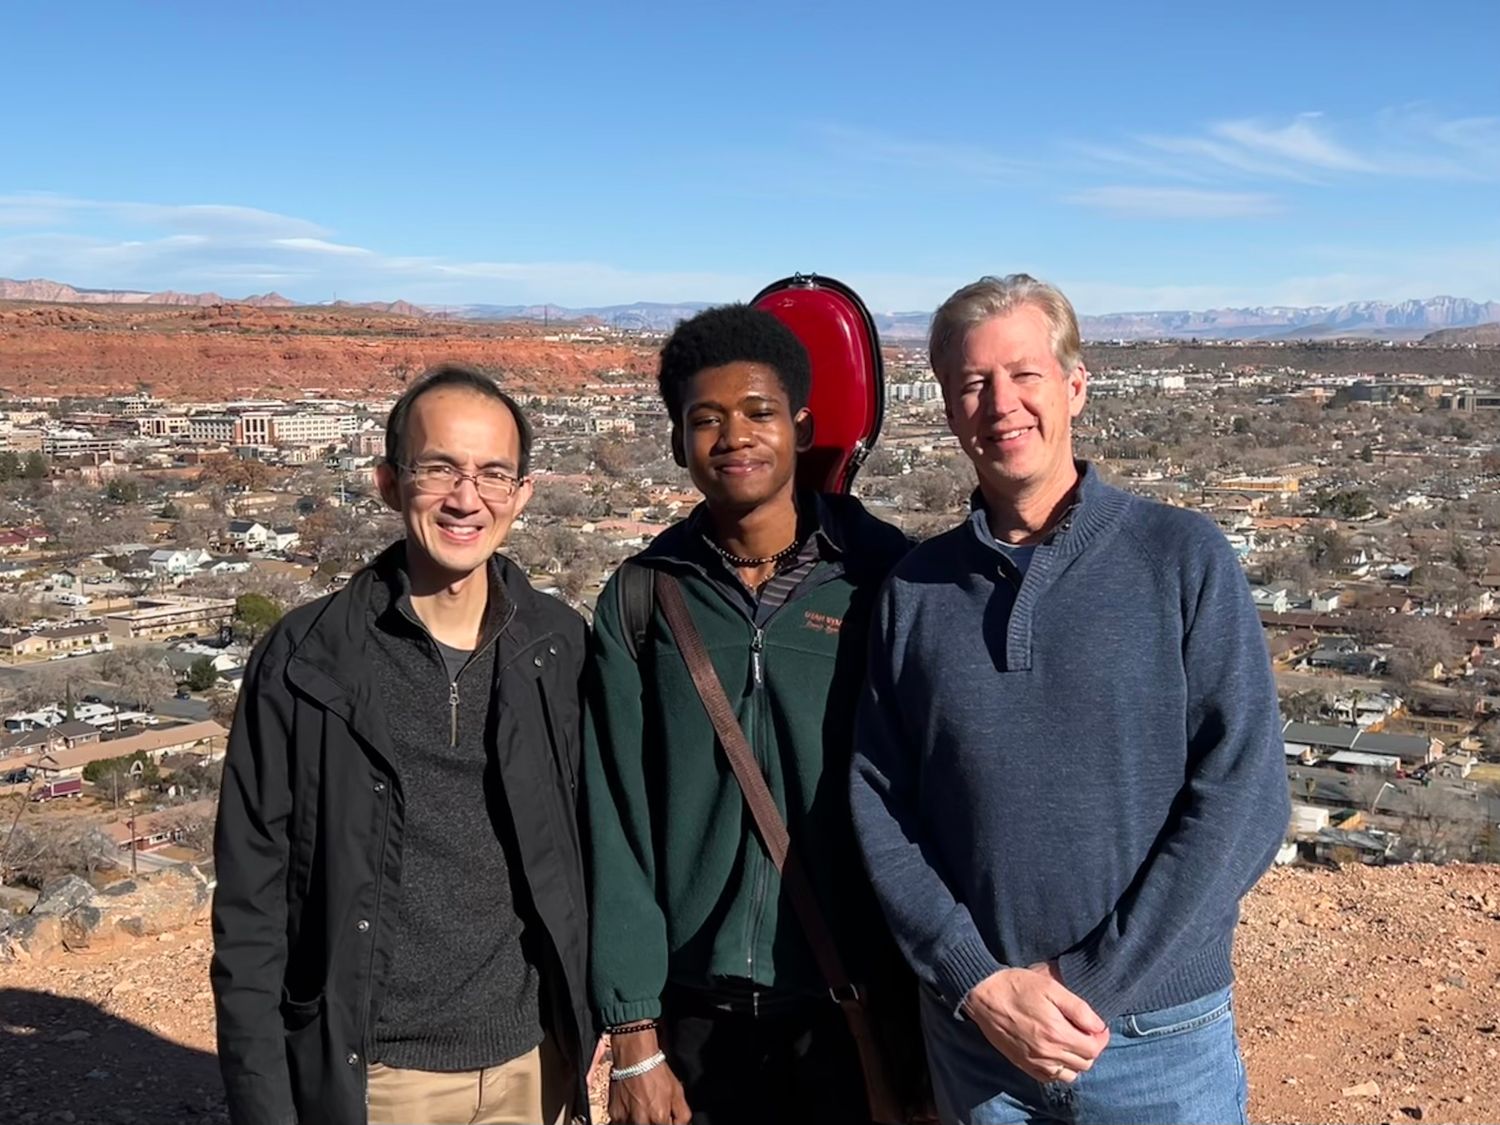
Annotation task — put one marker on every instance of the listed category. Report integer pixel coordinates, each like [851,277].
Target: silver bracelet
[635,1070]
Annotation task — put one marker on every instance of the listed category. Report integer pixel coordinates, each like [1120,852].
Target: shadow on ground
[63,1059]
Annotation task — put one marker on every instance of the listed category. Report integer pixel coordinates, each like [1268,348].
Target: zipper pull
[757,645]
[453,713]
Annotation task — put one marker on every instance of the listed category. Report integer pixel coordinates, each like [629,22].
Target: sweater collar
[1096,506]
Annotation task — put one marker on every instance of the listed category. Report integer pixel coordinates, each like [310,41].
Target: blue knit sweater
[1082,765]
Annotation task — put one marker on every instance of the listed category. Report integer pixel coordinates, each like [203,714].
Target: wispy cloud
[44,209]
[1174,202]
[1300,142]
[147,246]
[1407,143]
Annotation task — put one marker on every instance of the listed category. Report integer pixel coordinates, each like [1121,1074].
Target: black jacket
[308,848]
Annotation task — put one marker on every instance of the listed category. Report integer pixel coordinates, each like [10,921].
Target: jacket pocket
[1179,1018]
[297,1014]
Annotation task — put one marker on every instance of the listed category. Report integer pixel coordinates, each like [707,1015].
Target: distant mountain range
[1365,319]
[39,289]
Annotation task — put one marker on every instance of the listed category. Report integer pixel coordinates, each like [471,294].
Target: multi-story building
[165,616]
[162,425]
[218,428]
[76,443]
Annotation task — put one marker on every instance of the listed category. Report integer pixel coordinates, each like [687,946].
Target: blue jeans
[1177,1066]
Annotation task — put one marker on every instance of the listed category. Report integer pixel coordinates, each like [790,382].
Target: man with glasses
[398,925]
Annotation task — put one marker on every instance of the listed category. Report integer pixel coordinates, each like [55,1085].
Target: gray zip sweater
[1084,764]
[463,991]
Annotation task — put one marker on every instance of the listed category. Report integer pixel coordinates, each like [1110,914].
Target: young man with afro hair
[700,968]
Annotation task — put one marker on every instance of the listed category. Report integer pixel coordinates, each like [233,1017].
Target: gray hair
[995,296]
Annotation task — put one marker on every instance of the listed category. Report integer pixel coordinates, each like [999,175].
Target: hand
[1031,1018]
[653,1098]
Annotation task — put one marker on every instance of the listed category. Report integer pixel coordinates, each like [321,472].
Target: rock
[1456,982]
[86,928]
[1414,1112]
[64,896]
[97,1075]
[1363,1090]
[34,935]
[77,1035]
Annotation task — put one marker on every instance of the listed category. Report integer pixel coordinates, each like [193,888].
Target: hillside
[1364,995]
[1484,335]
[239,351]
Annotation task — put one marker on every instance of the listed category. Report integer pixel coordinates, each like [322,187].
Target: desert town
[149,536]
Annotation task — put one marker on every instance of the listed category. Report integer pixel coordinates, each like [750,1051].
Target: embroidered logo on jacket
[821,622]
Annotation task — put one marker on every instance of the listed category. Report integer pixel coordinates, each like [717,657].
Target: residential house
[283,539]
[64,735]
[179,562]
[247,535]
[204,739]
[83,636]
[1325,601]
[84,572]
[1324,740]
[157,829]
[1272,600]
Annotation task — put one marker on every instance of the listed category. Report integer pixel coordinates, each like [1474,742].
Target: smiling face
[1011,406]
[454,534]
[738,437]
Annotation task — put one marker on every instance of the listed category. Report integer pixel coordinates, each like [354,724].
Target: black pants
[763,1060]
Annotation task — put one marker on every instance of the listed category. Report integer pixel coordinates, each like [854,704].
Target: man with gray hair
[1068,765]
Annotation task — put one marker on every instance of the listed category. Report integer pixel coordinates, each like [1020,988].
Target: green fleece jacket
[681,887]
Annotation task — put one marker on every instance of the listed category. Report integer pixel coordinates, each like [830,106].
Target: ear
[803,423]
[521,498]
[1078,390]
[679,451]
[389,484]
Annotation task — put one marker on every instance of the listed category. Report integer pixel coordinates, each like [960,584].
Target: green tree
[10,465]
[202,674]
[124,768]
[34,467]
[122,491]
[170,511]
[1241,424]
[256,613]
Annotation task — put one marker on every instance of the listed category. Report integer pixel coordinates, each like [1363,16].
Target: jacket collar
[327,663]
[844,529]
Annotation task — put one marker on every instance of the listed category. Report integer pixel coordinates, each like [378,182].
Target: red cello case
[848,376]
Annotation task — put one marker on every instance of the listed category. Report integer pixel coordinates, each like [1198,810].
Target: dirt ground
[1364,996]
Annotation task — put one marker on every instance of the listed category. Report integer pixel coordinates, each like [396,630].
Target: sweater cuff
[629,1012]
[961,968]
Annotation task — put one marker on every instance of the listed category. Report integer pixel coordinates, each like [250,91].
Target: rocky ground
[1364,996]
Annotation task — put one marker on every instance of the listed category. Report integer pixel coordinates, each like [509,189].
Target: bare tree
[193,831]
[1439,827]
[142,673]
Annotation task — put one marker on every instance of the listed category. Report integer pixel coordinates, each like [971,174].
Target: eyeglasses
[440,478]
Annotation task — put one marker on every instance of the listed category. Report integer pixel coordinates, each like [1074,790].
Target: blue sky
[1144,156]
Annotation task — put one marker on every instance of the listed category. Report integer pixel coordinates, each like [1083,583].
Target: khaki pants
[530,1090]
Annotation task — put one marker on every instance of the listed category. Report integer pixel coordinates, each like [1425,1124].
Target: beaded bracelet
[635,1070]
[632,1027]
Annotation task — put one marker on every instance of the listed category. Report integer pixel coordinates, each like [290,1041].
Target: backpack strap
[772,829]
[636,593]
